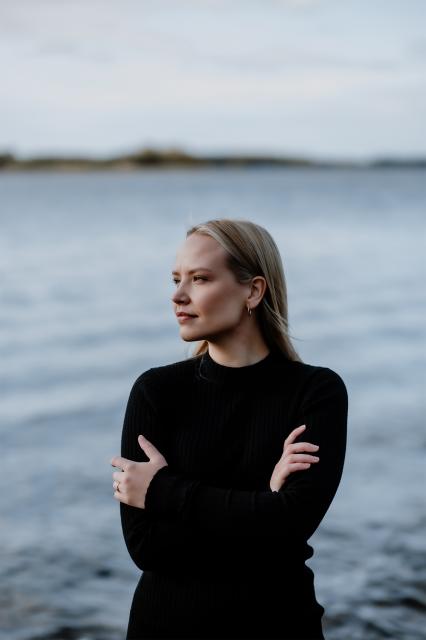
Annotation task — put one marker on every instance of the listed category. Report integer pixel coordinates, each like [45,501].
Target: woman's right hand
[292,459]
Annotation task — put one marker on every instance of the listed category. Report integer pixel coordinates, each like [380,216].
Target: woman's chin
[189,335]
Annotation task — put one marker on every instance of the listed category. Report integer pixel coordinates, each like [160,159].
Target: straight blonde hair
[251,251]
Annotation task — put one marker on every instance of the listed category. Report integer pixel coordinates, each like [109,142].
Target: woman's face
[210,292]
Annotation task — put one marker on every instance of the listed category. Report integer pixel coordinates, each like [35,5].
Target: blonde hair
[251,251]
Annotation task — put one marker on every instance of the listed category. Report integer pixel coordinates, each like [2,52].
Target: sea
[85,308]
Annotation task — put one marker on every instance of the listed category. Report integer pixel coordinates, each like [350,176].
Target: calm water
[85,288]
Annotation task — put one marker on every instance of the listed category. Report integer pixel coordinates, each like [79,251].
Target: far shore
[155,159]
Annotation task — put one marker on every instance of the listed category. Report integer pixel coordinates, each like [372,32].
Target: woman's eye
[176,281]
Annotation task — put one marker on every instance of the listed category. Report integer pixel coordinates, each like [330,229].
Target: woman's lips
[184,318]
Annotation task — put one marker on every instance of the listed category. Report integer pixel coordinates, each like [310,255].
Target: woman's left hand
[131,484]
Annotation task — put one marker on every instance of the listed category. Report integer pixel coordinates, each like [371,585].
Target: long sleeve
[155,543]
[291,513]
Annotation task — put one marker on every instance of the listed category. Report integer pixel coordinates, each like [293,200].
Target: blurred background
[118,125]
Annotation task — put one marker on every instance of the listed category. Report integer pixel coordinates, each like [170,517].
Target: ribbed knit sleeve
[154,543]
[293,512]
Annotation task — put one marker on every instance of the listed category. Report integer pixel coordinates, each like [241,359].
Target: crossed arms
[189,525]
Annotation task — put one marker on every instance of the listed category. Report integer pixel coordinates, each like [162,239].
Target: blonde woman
[230,458]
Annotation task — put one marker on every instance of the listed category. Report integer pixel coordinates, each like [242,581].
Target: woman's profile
[242,453]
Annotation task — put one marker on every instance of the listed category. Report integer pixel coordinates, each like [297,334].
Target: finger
[147,446]
[120,497]
[120,462]
[300,457]
[293,435]
[302,446]
[299,466]
[118,475]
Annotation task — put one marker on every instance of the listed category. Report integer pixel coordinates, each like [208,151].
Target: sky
[318,78]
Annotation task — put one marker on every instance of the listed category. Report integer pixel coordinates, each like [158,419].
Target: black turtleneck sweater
[223,555]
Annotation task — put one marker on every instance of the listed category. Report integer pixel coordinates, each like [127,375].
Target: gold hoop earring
[249,310]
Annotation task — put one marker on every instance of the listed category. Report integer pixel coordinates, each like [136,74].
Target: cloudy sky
[325,78]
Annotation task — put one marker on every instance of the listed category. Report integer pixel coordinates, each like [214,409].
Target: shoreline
[149,159]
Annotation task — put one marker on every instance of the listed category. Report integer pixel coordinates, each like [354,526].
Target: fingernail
[316,447]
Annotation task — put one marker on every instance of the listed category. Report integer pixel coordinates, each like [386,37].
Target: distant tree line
[177,158]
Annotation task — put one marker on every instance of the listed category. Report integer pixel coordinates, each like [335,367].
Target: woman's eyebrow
[194,270]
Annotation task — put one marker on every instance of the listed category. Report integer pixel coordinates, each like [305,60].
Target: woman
[219,494]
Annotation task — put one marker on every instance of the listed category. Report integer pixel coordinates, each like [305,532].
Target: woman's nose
[179,296]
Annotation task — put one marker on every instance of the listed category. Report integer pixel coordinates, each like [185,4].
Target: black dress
[222,555]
